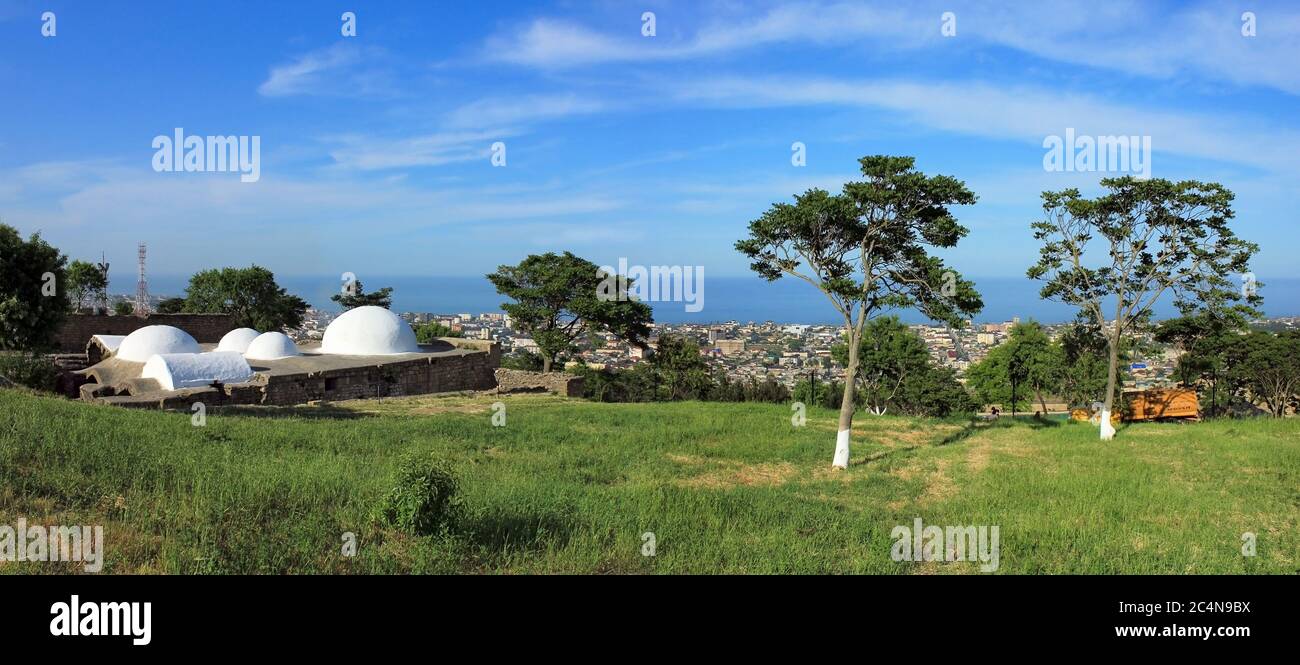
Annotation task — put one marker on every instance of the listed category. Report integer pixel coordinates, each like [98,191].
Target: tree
[1268,365]
[1156,237]
[33,291]
[560,298]
[680,370]
[1083,364]
[123,308]
[1037,362]
[866,251]
[357,297]
[250,294]
[889,356]
[995,379]
[432,330]
[86,284]
[1205,338]
[171,305]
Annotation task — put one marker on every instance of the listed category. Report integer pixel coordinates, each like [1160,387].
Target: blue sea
[740,299]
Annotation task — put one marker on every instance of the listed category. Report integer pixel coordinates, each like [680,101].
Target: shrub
[423,498]
[29,369]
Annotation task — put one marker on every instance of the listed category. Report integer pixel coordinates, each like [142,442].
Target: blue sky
[375,148]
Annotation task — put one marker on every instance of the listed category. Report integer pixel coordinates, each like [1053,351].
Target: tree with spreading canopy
[559,298]
[866,250]
[1127,248]
[87,284]
[250,294]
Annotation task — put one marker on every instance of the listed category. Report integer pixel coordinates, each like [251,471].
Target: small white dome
[237,340]
[271,346]
[150,341]
[369,331]
[174,371]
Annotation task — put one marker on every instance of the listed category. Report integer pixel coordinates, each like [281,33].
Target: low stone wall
[78,328]
[520,381]
[420,376]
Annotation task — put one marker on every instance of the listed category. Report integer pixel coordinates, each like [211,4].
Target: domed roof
[270,346]
[174,371]
[149,341]
[237,340]
[369,331]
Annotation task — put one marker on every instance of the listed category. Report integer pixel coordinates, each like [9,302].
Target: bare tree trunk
[841,460]
[1041,402]
[1112,375]
[546,363]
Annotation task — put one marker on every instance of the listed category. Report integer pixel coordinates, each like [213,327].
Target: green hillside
[571,486]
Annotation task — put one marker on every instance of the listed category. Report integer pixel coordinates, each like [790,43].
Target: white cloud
[510,110]
[338,70]
[369,153]
[1202,40]
[1021,113]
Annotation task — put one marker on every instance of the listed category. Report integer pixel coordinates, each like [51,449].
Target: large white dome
[369,331]
[237,340]
[150,341]
[270,346]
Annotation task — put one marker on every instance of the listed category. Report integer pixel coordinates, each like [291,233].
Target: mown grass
[570,486]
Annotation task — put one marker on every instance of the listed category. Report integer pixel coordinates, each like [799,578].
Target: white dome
[369,331]
[149,341]
[174,371]
[237,340]
[270,346]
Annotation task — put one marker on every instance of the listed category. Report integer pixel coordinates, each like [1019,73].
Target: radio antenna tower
[142,289]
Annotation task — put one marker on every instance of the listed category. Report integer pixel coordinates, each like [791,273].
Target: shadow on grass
[305,412]
[501,532]
[982,425]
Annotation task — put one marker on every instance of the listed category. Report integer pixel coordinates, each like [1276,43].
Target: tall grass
[569,486]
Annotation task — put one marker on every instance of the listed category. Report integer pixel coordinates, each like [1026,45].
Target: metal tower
[142,289]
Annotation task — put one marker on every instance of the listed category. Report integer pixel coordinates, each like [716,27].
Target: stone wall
[419,376]
[78,328]
[520,381]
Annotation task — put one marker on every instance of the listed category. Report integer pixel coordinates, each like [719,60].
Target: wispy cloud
[339,70]
[1018,113]
[368,153]
[512,110]
[1202,40]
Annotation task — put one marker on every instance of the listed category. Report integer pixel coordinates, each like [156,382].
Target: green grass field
[570,487]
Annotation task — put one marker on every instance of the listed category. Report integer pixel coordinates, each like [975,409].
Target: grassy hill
[571,486]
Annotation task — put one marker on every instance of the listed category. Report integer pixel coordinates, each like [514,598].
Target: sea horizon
[725,298]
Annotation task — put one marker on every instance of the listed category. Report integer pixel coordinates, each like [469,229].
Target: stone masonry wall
[560,383]
[419,376]
[78,328]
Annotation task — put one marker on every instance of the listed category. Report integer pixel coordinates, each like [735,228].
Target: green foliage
[250,294]
[32,370]
[359,298]
[33,291]
[428,332]
[87,284]
[123,308]
[561,298]
[423,499]
[680,371]
[895,372]
[1147,238]
[675,372]
[523,359]
[171,306]
[1265,368]
[826,394]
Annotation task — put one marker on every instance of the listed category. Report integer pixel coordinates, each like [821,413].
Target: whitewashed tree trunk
[1107,429]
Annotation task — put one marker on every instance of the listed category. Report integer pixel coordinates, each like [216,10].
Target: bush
[423,498]
[29,369]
